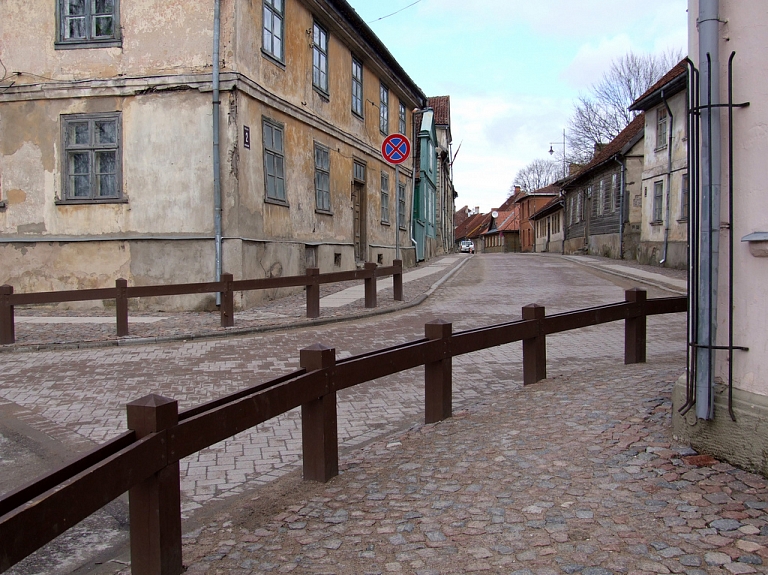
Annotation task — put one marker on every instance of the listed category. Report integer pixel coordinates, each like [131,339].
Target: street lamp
[551,151]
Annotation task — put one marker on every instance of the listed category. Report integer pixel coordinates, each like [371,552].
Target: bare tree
[602,113]
[537,174]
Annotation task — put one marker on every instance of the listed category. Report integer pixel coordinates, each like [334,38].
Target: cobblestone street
[576,474]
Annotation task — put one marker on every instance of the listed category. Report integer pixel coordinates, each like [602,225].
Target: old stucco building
[664,225]
[108,163]
[724,411]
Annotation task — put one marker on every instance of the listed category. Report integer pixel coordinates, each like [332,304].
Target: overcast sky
[513,69]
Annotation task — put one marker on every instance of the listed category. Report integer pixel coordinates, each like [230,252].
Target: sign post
[396,149]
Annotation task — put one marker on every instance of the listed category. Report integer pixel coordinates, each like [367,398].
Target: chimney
[477,209]
[517,189]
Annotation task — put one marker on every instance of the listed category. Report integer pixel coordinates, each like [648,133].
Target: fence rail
[145,460]
[121,293]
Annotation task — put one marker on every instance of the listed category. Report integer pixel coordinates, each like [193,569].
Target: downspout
[709,64]
[216,159]
[669,177]
[622,193]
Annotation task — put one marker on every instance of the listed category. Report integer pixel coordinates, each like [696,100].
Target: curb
[233,332]
[629,276]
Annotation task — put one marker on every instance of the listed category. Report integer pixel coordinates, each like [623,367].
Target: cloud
[593,59]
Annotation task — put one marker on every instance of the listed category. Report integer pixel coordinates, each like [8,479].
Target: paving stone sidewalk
[575,474]
[96,327]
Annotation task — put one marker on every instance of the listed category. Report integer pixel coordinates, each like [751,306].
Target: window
[401,205]
[615,196]
[93,164]
[384,198]
[274,170]
[322,178]
[684,198]
[94,22]
[319,58]
[401,119]
[357,87]
[359,172]
[601,198]
[272,37]
[658,200]
[383,109]
[661,128]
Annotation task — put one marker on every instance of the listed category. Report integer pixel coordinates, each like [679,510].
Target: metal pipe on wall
[709,62]
[669,177]
[216,158]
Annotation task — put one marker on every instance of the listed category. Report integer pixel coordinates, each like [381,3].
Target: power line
[393,13]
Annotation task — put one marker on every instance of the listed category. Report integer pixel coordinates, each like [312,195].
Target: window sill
[276,202]
[682,220]
[87,44]
[3,205]
[657,223]
[385,223]
[89,201]
[272,58]
[323,212]
[358,116]
[324,95]
[660,148]
[403,228]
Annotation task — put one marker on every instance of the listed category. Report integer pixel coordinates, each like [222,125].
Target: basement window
[87,23]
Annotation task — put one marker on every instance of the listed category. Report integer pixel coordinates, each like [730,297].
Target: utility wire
[393,13]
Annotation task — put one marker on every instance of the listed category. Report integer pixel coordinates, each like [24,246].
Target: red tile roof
[615,146]
[677,70]
[442,108]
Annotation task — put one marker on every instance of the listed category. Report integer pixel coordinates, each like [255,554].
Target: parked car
[467,246]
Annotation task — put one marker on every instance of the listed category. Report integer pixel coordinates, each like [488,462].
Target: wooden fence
[121,293]
[145,460]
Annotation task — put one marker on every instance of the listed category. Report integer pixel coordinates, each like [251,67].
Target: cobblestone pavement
[575,474]
[78,397]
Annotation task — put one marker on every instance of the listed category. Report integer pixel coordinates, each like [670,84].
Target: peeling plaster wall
[159,79]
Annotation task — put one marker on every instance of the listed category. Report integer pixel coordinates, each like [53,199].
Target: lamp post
[551,151]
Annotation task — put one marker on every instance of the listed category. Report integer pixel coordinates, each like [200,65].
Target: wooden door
[358,221]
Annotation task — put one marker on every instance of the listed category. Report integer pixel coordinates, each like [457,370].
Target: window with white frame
[601,198]
[319,58]
[401,205]
[401,119]
[92,166]
[615,198]
[383,109]
[88,22]
[274,160]
[384,198]
[658,201]
[322,178]
[357,87]
[272,29]
[661,127]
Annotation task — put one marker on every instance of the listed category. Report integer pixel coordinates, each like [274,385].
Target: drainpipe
[709,64]
[622,193]
[669,177]
[216,159]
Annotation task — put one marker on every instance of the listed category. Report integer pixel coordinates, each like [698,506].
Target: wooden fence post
[7,327]
[319,433]
[313,293]
[397,280]
[370,285]
[121,306]
[535,348]
[155,503]
[438,376]
[227,301]
[634,328]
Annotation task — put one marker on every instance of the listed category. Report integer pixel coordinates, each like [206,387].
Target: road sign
[396,148]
